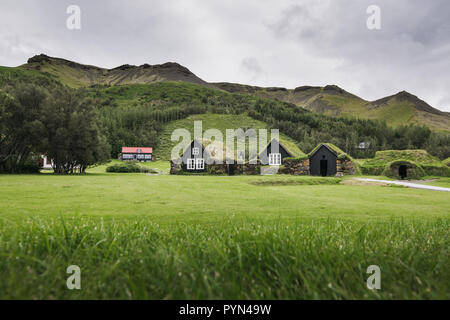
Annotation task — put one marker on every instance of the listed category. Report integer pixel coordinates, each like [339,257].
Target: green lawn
[162,237]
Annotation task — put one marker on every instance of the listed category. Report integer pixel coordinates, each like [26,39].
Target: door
[402,171]
[231,169]
[323,168]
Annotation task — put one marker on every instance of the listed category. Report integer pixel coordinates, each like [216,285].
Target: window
[275,159]
[200,164]
[195,151]
[148,156]
[191,164]
[127,156]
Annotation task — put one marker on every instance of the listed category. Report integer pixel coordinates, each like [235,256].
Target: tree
[73,136]
[21,129]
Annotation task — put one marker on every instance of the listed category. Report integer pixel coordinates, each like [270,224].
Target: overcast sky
[268,43]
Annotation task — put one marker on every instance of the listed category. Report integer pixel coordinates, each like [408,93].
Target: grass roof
[340,153]
[418,156]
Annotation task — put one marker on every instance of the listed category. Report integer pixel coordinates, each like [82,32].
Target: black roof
[279,144]
[323,145]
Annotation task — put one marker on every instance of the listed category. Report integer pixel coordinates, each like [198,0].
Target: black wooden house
[322,161]
[194,157]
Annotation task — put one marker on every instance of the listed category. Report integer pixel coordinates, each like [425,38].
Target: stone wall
[247,169]
[216,168]
[295,166]
[345,167]
[290,166]
[301,167]
[175,168]
[221,169]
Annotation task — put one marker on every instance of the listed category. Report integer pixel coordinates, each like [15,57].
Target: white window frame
[127,156]
[195,151]
[275,159]
[199,163]
[190,164]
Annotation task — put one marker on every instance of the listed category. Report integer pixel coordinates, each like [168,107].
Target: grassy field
[138,236]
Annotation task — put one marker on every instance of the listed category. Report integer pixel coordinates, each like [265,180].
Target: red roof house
[136,150]
[137,153]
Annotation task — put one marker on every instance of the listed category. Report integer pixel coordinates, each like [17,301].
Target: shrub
[28,168]
[447,162]
[147,170]
[123,168]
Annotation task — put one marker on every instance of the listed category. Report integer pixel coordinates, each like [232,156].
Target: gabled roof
[193,143]
[279,144]
[335,152]
[135,150]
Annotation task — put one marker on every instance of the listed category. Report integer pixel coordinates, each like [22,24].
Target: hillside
[404,107]
[79,75]
[400,109]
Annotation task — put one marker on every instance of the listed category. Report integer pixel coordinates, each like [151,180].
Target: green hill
[80,75]
[399,109]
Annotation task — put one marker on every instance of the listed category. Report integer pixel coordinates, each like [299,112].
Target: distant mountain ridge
[78,75]
[398,109]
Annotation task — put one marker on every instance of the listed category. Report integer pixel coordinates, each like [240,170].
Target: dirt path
[406,184]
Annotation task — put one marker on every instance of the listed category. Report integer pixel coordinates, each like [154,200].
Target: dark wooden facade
[265,154]
[322,161]
[194,158]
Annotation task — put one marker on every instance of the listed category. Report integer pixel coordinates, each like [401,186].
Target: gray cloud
[298,42]
[251,66]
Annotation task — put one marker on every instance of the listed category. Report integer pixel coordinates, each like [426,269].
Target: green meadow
[139,236]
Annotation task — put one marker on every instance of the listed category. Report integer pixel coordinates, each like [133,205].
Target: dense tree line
[59,122]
